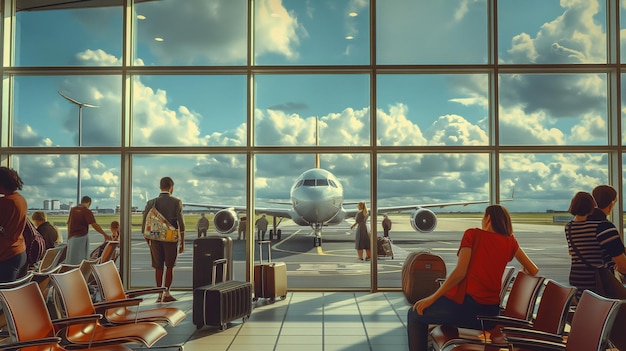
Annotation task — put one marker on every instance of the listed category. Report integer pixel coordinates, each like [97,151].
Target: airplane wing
[275,212]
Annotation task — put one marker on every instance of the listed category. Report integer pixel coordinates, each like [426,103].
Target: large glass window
[551,32]
[311,32]
[189,110]
[426,32]
[51,111]
[190,33]
[68,33]
[553,109]
[432,109]
[288,107]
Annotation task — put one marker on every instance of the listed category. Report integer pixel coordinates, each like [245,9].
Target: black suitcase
[220,303]
[205,251]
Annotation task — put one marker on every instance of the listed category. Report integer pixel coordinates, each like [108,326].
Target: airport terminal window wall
[405,102]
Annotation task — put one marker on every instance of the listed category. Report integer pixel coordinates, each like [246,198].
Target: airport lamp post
[80,137]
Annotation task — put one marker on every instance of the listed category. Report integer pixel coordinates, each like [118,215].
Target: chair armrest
[65,322]
[506,321]
[30,343]
[146,291]
[105,305]
[534,344]
[533,334]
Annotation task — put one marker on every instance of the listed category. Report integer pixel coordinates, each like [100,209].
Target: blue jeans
[446,311]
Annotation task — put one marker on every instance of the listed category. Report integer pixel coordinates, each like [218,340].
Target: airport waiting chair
[112,290]
[589,330]
[8,285]
[75,301]
[51,258]
[551,318]
[507,279]
[519,305]
[110,251]
[30,325]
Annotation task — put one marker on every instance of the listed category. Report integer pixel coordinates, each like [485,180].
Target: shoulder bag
[158,227]
[607,284]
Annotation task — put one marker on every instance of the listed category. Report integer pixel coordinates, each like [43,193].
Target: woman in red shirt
[12,223]
[482,257]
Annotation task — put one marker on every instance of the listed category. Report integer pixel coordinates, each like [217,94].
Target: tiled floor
[304,321]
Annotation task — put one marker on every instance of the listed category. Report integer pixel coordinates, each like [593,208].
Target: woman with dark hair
[12,223]
[473,287]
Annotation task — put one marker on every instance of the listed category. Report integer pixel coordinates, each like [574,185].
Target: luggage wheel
[223,326]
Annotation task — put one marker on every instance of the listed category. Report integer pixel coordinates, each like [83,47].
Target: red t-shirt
[491,252]
[12,221]
[79,220]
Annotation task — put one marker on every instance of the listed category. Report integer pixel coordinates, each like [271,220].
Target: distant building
[51,205]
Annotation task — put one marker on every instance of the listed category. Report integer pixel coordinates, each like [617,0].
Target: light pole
[80,136]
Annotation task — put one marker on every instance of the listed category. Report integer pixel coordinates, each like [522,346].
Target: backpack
[35,243]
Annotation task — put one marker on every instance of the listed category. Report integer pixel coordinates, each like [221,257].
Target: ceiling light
[141,17]
[349,37]
[353,14]
[158,39]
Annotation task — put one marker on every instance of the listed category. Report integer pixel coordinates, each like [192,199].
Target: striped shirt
[597,241]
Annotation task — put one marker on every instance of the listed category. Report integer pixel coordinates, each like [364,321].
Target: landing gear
[317,241]
[279,233]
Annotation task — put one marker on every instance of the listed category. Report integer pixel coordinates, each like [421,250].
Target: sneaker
[168,298]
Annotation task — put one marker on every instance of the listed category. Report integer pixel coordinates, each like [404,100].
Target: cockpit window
[299,184]
[309,182]
[321,182]
[332,183]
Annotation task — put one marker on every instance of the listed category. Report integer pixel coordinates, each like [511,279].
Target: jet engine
[423,220]
[226,221]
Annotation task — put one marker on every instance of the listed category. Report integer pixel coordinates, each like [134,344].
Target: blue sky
[433,109]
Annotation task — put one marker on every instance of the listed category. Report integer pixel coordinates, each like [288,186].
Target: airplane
[316,200]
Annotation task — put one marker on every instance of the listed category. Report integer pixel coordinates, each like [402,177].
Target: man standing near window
[164,253]
[77,231]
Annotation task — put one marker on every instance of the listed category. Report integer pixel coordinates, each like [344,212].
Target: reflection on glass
[311,32]
[69,33]
[551,32]
[553,109]
[183,110]
[202,182]
[431,32]
[44,117]
[191,33]
[432,109]
[290,108]
[314,217]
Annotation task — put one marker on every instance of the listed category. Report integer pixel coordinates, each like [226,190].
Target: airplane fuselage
[317,198]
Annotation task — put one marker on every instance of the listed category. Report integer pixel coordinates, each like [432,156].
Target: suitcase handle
[269,251]
[215,264]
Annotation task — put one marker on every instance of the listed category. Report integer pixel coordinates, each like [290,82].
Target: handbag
[606,283]
[158,227]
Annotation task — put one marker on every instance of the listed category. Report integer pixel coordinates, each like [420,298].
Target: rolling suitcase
[270,278]
[384,247]
[220,303]
[422,273]
[205,251]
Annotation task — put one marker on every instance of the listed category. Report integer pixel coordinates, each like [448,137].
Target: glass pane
[551,32]
[70,33]
[432,109]
[51,183]
[191,32]
[48,110]
[189,110]
[544,185]
[311,32]
[413,205]
[314,211]
[201,180]
[553,109]
[431,32]
[287,107]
